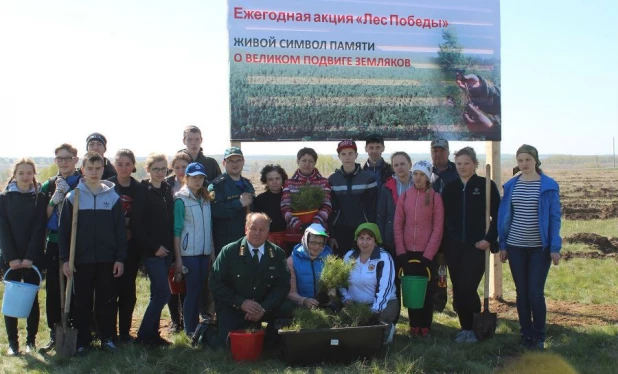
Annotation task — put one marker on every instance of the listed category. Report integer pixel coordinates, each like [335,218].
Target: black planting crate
[310,347]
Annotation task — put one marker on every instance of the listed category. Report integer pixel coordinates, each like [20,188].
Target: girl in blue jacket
[529,230]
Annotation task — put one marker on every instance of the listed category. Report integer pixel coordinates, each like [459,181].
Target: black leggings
[421,317]
[32,323]
[126,290]
[466,265]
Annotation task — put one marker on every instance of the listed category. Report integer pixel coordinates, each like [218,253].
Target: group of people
[213,232]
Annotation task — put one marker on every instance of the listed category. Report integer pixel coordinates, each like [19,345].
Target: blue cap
[195,168]
[232,151]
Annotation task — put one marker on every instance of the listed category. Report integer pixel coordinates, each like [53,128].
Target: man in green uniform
[250,281]
[232,198]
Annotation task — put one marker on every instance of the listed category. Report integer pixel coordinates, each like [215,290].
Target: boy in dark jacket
[100,251]
[192,139]
[354,194]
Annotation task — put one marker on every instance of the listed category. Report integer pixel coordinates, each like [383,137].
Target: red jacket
[418,226]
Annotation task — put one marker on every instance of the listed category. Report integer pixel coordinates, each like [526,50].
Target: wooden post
[492,150]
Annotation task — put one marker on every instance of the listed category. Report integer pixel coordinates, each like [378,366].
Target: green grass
[589,348]
[603,227]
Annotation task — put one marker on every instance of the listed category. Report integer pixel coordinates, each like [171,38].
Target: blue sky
[139,71]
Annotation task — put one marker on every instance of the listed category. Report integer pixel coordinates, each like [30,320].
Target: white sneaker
[461,336]
[391,334]
[471,337]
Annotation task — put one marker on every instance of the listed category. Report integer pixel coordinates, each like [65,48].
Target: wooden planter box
[310,347]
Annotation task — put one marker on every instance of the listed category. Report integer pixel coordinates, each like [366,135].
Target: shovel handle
[69,288]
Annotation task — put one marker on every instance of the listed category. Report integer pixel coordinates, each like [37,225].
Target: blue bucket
[19,297]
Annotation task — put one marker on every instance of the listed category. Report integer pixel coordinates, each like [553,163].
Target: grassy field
[582,328]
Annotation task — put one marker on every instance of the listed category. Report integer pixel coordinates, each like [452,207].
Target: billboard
[328,70]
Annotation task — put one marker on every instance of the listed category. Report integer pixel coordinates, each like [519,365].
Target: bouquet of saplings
[335,275]
[354,315]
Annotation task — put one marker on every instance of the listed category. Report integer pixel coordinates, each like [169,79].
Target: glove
[62,185]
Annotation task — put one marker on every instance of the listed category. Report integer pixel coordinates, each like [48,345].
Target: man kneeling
[250,281]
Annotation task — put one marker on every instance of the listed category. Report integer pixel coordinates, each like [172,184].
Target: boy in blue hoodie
[100,251]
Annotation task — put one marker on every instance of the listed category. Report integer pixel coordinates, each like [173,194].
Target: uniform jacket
[418,227]
[196,236]
[376,285]
[228,214]
[101,232]
[464,211]
[293,185]
[354,197]
[549,213]
[22,224]
[234,277]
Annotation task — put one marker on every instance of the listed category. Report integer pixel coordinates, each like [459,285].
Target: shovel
[484,323]
[66,337]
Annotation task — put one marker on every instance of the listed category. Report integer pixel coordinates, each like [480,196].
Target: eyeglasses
[64,159]
[317,244]
[158,170]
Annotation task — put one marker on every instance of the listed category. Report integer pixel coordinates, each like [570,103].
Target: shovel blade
[484,324]
[66,341]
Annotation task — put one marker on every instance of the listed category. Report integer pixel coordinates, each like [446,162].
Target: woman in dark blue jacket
[529,229]
[22,239]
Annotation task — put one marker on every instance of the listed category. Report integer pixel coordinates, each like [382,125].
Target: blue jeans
[156,268]
[194,279]
[529,267]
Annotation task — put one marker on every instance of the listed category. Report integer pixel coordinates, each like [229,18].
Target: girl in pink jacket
[418,226]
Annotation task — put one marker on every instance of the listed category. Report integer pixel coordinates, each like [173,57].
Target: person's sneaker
[425,332]
[391,334]
[539,345]
[414,331]
[125,339]
[471,338]
[30,347]
[461,336]
[13,349]
[51,344]
[108,345]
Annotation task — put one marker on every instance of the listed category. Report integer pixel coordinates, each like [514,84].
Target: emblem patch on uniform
[212,195]
[371,267]
[241,250]
[271,268]
[476,191]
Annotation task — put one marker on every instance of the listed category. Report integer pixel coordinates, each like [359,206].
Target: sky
[140,71]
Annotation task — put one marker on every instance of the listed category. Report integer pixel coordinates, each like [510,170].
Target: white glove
[62,187]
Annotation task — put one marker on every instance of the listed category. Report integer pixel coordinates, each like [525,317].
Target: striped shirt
[525,231]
